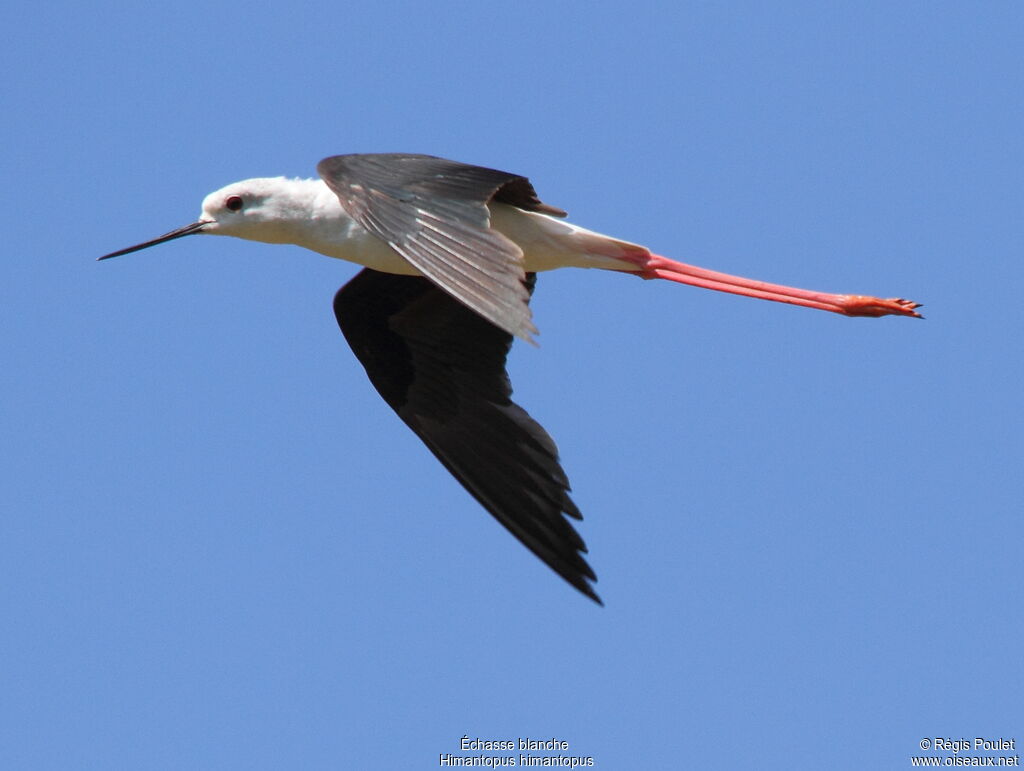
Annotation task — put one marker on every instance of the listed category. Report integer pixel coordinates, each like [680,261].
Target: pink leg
[656,266]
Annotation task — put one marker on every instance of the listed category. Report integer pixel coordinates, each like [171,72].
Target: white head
[268,209]
[262,209]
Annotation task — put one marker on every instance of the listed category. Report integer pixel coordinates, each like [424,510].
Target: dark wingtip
[582,581]
[589,591]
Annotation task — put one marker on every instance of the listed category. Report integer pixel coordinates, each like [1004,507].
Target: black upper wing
[441,367]
[433,212]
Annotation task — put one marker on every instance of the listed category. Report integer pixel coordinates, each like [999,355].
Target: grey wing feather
[433,212]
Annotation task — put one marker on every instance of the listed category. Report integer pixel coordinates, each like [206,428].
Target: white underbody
[307,213]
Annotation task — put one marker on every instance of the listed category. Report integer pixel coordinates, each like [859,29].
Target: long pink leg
[656,266]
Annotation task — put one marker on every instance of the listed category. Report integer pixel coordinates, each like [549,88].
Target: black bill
[195,227]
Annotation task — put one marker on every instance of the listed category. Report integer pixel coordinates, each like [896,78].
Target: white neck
[307,213]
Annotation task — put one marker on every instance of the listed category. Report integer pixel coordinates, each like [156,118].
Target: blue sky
[220,549]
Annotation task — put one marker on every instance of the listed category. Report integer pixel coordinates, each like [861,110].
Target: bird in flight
[450,254]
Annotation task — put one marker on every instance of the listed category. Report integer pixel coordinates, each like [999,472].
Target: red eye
[233,202]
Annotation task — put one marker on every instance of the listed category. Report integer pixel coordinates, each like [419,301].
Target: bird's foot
[862,305]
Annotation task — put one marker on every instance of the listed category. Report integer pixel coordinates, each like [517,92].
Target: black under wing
[441,367]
